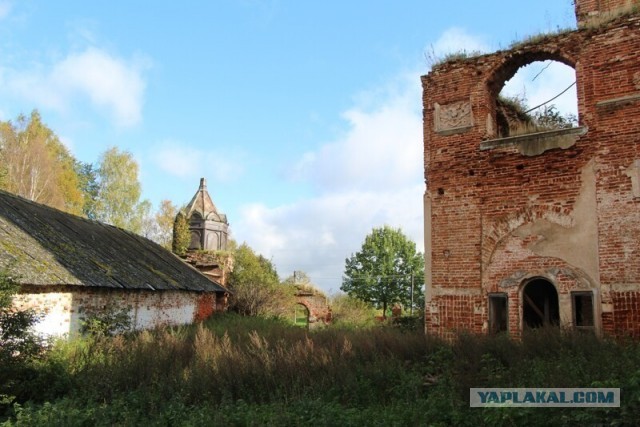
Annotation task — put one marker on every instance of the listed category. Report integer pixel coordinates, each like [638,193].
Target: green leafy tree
[165,218]
[18,345]
[144,220]
[88,182]
[181,234]
[37,166]
[383,271]
[119,190]
[256,287]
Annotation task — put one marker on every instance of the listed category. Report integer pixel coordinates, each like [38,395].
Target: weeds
[233,370]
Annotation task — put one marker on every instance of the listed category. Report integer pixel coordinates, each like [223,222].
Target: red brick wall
[626,319]
[586,9]
[499,217]
[206,306]
[317,306]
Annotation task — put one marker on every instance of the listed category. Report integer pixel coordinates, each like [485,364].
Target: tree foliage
[181,234]
[37,166]
[34,164]
[347,311]
[118,202]
[88,181]
[165,218]
[383,271]
[256,287]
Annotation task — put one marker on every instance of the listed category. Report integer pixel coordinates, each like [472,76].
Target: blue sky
[305,117]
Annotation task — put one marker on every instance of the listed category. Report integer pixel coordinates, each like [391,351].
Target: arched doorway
[540,304]
[301,315]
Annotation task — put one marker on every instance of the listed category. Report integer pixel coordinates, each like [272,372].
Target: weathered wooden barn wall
[501,212]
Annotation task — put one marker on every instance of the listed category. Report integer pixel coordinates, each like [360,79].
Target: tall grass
[249,371]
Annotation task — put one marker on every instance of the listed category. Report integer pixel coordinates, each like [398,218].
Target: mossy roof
[40,245]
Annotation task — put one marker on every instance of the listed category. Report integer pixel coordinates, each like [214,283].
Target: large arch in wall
[507,69]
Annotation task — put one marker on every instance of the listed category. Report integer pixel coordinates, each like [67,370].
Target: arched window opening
[541,96]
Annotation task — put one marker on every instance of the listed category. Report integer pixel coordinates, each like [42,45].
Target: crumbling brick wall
[560,206]
[317,305]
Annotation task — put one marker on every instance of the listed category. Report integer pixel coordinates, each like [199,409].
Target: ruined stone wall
[319,312]
[593,12]
[561,206]
[63,308]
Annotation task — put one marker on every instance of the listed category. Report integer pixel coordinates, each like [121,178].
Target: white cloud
[456,40]
[110,84]
[186,162]
[370,176]
[316,235]
[382,149]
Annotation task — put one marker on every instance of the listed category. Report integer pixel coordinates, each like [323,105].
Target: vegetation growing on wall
[514,117]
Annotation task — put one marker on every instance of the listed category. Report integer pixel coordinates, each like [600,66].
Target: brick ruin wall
[318,307]
[499,212]
[62,308]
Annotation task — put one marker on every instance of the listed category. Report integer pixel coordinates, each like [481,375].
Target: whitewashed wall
[62,312]
[54,309]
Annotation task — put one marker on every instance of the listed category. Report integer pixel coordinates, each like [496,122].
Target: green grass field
[239,371]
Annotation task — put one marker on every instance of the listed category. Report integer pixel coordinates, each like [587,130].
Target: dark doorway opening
[540,304]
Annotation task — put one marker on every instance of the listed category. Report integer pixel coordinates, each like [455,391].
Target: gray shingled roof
[44,246]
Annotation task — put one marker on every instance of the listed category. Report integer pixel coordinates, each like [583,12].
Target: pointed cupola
[209,229]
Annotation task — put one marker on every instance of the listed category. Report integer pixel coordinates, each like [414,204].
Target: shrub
[19,346]
[107,321]
[351,312]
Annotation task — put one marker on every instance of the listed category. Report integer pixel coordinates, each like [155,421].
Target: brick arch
[316,304]
[563,276]
[494,234]
[510,64]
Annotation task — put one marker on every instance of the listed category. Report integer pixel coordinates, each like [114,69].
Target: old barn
[68,266]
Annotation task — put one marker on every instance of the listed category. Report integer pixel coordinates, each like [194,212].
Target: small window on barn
[498,313]
[540,97]
[583,316]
